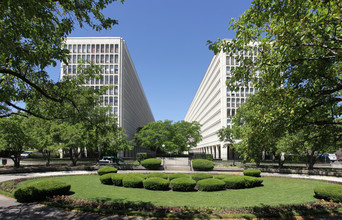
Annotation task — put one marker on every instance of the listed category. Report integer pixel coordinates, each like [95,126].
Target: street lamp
[164,156]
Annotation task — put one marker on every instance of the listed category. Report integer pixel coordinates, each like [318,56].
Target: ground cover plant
[252,202]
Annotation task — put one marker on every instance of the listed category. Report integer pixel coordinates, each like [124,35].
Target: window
[74,69]
[106,79]
[111,69]
[93,48]
[116,90]
[116,58]
[74,48]
[111,100]
[111,91]
[97,48]
[79,48]
[83,48]
[228,70]
[111,59]
[232,61]
[107,58]
[102,48]
[107,69]
[88,48]
[101,80]
[70,48]
[233,112]
[116,80]
[251,90]
[74,58]
[106,100]
[107,48]
[227,60]
[116,71]
[88,58]
[115,110]
[111,80]
[97,59]
[93,58]
[116,48]
[102,58]
[115,101]
[112,48]
[69,69]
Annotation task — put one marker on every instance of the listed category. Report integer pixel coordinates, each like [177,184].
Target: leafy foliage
[200,176]
[183,184]
[297,66]
[132,181]
[329,193]
[202,164]
[105,170]
[151,164]
[210,185]
[156,183]
[252,172]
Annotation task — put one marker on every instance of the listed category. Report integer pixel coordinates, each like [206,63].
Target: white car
[25,154]
[332,157]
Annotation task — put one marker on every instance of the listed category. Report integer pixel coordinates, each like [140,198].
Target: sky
[167,43]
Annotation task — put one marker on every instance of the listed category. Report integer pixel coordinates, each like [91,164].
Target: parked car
[328,157]
[26,154]
[110,159]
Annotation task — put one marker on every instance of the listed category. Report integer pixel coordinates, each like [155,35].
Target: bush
[200,176]
[105,170]
[178,175]
[221,176]
[156,183]
[234,182]
[40,190]
[210,185]
[160,175]
[202,164]
[204,156]
[117,178]
[328,193]
[252,172]
[151,164]
[241,182]
[141,156]
[107,178]
[132,181]
[184,184]
[251,181]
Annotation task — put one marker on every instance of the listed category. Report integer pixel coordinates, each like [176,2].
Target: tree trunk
[48,157]
[73,157]
[311,161]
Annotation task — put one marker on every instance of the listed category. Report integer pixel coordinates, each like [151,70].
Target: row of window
[92,48]
[109,100]
[94,58]
[231,113]
[111,91]
[231,61]
[243,90]
[104,80]
[107,69]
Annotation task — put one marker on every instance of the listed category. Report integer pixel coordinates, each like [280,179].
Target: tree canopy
[32,33]
[297,70]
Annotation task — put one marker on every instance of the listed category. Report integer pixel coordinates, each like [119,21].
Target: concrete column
[224,152]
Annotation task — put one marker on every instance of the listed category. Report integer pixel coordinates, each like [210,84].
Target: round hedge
[160,175]
[241,182]
[202,164]
[132,181]
[151,164]
[221,176]
[178,175]
[105,170]
[210,185]
[117,178]
[252,172]
[328,193]
[251,181]
[201,176]
[156,183]
[40,190]
[183,184]
[141,175]
[107,178]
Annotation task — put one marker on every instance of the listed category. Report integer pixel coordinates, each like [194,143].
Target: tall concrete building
[127,98]
[214,104]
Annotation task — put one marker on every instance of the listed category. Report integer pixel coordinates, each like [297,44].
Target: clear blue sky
[167,43]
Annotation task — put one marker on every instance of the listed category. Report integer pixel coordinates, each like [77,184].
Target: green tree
[45,136]
[13,137]
[298,52]
[186,135]
[32,33]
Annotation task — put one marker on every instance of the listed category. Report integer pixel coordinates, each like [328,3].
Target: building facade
[214,105]
[126,98]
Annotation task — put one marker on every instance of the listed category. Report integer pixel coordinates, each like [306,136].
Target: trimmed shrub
[204,156]
[151,164]
[328,193]
[107,179]
[200,176]
[210,185]
[117,178]
[156,183]
[105,170]
[132,181]
[234,182]
[160,175]
[178,175]
[221,176]
[141,156]
[40,190]
[184,184]
[202,164]
[252,172]
[251,181]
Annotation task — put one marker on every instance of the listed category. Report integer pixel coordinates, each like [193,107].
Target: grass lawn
[276,191]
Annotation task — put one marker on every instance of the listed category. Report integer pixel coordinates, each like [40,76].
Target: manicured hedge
[328,193]
[252,172]
[210,185]
[202,164]
[184,184]
[160,175]
[141,156]
[241,182]
[151,164]
[40,190]
[221,176]
[132,181]
[200,176]
[105,170]
[178,175]
[156,183]
[107,178]
[117,178]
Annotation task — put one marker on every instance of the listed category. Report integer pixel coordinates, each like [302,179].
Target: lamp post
[163,156]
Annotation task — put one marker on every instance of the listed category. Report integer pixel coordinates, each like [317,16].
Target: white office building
[126,98]
[214,105]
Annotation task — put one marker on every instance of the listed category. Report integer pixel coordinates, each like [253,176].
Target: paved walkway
[10,209]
